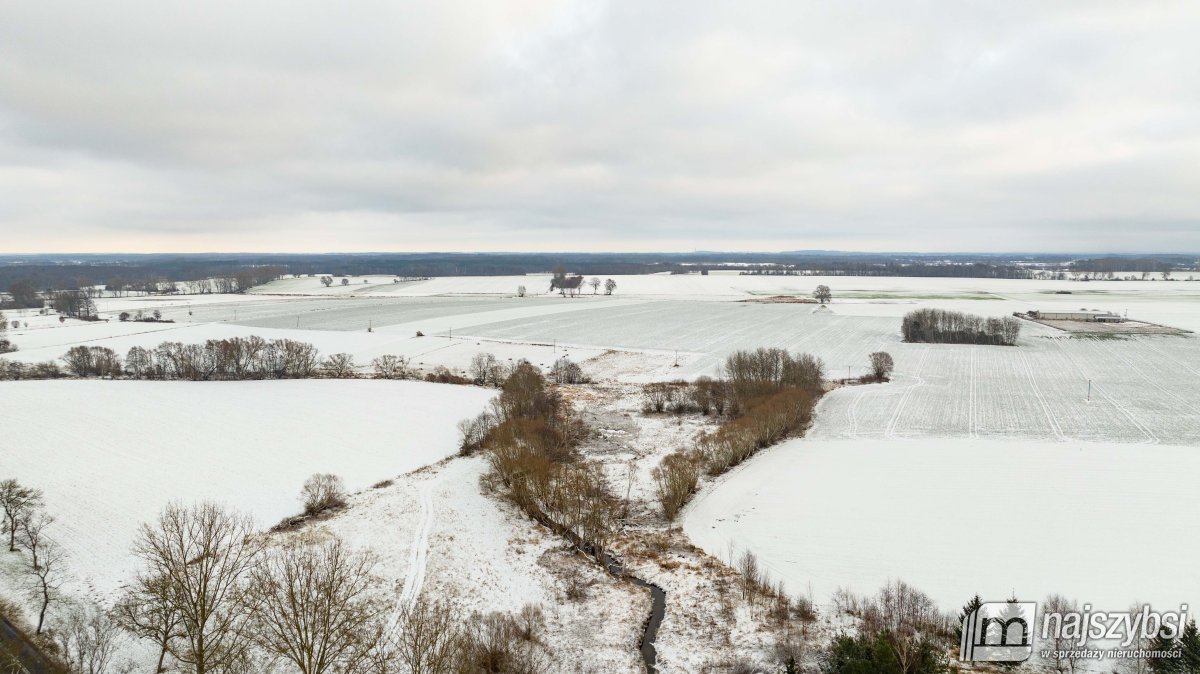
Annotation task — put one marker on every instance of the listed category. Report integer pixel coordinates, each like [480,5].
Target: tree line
[764,395]
[530,435]
[941,326]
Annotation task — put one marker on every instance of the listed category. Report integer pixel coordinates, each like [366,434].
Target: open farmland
[1107,522]
[110,455]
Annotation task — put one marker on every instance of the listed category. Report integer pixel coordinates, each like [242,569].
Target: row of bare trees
[530,436]
[941,326]
[768,394]
[214,597]
[25,524]
[236,358]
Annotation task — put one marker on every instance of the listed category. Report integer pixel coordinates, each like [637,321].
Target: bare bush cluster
[769,395]
[486,370]
[941,326]
[93,361]
[675,481]
[391,367]
[15,370]
[764,421]
[566,371]
[530,436]
[705,396]
[322,492]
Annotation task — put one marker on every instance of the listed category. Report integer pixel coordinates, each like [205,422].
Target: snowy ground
[435,532]
[889,483]
[110,455]
[1107,524]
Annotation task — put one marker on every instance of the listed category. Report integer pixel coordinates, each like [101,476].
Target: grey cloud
[557,125]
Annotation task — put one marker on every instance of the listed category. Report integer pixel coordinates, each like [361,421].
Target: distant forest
[136,272]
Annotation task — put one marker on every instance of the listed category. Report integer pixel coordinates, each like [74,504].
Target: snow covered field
[889,483]
[110,455]
[1107,524]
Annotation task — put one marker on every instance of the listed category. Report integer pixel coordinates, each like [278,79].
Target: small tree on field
[18,502]
[47,573]
[321,492]
[609,286]
[345,281]
[520,291]
[565,371]
[882,364]
[595,284]
[822,294]
[327,281]
[390,367]
[340,366]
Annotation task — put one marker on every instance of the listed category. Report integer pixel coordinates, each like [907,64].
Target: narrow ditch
[616,568]
[658,609]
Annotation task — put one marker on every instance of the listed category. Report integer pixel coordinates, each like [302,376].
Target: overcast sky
[356,125]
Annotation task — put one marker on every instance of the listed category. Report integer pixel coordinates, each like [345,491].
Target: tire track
[1151,438]
[1037,392]
[890,432]
[419,556]
[972,424]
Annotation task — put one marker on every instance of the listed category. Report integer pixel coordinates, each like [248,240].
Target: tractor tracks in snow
[419,556]
[890,432]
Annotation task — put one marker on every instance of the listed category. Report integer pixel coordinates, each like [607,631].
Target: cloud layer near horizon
[536,125]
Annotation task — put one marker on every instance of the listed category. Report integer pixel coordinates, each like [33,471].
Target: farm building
[1086,315]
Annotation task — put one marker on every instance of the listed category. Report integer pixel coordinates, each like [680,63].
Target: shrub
[390,367]
[339,366]
[564,371]
[442,375]
[675,481]
[321,492]
[881,365]
[93,361]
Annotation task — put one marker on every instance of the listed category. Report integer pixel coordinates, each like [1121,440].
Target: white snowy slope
[110,454]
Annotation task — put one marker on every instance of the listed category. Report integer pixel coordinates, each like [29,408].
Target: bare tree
[345,281]
[32,536]
[485,370]
[148,611]
[88,640]
[390,367]
[822,294]
[609,286]
[327,281]
[882,364]
[340,366]
[204,554]
[321,492]
[595,284]
[520,291]
[17,501]
[429,641]
[313,607]
[46,583]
